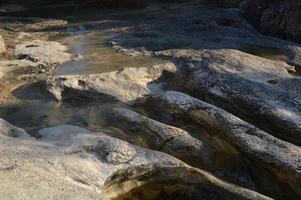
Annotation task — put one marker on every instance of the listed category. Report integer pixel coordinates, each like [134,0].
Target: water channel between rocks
[32,109]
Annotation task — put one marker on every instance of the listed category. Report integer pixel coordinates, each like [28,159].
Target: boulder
[275,17]
[125,85]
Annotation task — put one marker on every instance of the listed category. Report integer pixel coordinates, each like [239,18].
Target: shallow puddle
[265,52]
[33,109]
[97,57]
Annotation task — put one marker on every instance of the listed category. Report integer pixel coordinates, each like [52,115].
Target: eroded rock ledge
[242,111]
[125,85]
[90,165]
[248,86]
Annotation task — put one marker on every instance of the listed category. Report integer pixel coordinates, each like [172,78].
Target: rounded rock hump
[115,152]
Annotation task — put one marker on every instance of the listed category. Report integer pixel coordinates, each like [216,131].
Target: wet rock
[241,84]
[277,156]
[67,158]
[277,18]
[49,53]
[2,45]
[125,85]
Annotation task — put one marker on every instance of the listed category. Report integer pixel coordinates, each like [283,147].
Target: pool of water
[265,52]
[97,57]
[34,110]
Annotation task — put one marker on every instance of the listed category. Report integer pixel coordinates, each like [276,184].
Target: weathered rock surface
[73,163]
[125,85]
[277,156]
[2,45]
[275,17]
[169,139]
[49,53]
[197,149]
[11,65]
[247,86]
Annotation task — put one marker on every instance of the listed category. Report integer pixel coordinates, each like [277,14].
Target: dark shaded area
[275,17]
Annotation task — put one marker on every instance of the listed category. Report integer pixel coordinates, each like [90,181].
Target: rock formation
[125,85]
[75,163]
[174,101]
[276,17]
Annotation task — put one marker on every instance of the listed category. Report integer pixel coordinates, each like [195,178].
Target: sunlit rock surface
[125,85]
[75,163]
[45,52]
[2,45]
[247,86]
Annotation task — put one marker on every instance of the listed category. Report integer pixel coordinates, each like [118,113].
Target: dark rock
[275,17]
[114,3]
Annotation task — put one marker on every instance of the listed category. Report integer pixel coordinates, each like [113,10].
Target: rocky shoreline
[206,108]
